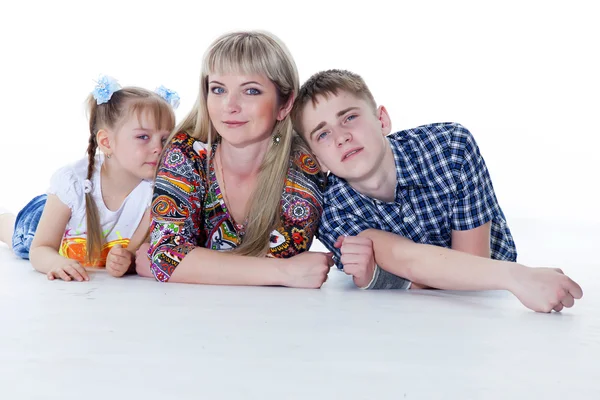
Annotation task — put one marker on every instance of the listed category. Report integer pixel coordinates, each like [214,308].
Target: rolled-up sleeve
[476,201]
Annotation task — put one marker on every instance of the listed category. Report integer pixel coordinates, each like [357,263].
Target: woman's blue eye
[253,91]
[217,90]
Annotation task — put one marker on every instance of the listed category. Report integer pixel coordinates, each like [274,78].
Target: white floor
[133,338]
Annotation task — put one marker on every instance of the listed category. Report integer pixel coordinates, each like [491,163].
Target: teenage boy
[415,208]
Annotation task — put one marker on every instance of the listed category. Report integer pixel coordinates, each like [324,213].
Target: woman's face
[243,108]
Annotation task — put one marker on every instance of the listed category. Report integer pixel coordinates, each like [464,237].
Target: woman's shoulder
[305,176]
[188,146]
[305,161]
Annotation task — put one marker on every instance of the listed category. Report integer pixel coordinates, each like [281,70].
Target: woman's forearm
[213,267]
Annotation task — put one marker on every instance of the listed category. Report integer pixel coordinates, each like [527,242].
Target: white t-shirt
[117,226]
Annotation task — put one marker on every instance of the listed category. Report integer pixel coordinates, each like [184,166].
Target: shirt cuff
[386,280]
[375,276]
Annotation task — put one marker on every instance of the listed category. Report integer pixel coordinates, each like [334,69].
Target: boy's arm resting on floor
[436,266]
[473,241]
[540,289]
[44,254]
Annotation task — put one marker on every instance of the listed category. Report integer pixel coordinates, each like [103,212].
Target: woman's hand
[306,270]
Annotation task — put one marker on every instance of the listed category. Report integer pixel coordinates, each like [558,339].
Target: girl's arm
[121,261]
[141,233]
[46,242]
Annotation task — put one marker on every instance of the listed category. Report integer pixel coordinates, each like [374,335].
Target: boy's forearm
[44,258]
[436,266]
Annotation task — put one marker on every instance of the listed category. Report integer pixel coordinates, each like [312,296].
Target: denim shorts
[26,224]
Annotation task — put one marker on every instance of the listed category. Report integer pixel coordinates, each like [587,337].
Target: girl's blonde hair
[246,53]
[125,102]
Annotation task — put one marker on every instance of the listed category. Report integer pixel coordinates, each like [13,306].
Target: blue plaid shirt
[443,185]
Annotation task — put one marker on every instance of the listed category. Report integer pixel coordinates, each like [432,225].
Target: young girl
[97,207]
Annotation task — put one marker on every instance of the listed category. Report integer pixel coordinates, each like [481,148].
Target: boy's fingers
[574,289]
[338,242]
[357,248]
[358,240]
[357,259]
[568,300]
[558,307]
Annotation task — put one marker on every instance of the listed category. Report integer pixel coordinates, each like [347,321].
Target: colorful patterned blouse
[188,209]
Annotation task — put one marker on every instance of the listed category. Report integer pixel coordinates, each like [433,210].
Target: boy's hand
[67,271]
[118,261]
[357,258]
[544,289]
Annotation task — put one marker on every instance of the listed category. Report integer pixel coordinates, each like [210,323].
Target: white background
[522,76]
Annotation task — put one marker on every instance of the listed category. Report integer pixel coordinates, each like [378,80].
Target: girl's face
[136,145]
[243,108]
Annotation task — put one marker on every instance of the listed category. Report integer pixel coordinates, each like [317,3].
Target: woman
[235,177]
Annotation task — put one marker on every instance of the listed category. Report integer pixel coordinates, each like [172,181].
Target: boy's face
[346,135]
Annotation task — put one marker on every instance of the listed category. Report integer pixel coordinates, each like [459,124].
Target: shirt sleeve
[177,206]
[338,222]
[475,202]
[68,187]
[301,208]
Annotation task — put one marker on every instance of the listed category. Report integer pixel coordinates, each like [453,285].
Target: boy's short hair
[327,83]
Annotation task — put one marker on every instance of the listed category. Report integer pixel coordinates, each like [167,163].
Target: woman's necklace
[241,228]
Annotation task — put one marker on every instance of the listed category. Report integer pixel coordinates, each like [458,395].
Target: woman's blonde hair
[261,53]
[110,115]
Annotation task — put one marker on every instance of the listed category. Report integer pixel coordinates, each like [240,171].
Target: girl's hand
[118,261]
[69,270]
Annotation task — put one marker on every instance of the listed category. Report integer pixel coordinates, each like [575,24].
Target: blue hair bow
[169,95]
[105,87]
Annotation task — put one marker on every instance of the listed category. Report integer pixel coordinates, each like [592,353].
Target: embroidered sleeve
[301,208]
[476,201]
[176,209]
